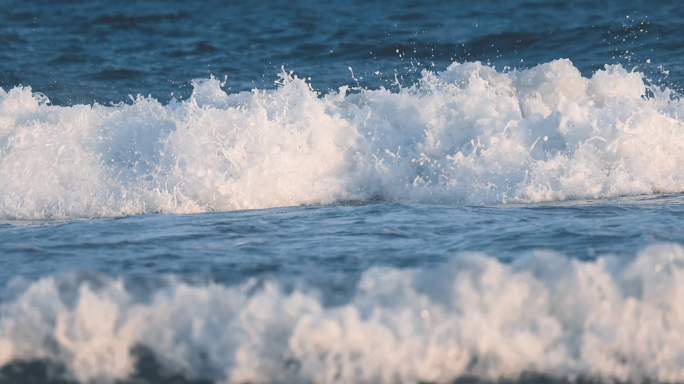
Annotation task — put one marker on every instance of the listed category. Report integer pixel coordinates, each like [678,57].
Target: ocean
[341,192]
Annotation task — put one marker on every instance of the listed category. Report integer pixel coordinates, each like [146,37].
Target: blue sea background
[106,54]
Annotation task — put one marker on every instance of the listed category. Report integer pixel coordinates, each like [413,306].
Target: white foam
[466,135]
[608,319]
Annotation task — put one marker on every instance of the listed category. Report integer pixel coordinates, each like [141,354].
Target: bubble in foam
[467,135]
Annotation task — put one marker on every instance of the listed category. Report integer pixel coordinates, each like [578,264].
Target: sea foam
[609,319]
[467,135]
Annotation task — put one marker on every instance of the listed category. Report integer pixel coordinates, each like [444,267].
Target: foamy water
[608,319]
[430,192]
[467,135]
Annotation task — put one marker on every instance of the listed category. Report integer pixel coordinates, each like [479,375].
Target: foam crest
[545,313]
[467,135]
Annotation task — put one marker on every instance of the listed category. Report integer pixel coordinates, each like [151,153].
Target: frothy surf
[468,135]
[609,319]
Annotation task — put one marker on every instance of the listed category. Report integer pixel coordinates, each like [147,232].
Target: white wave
[468,135]
[607,319]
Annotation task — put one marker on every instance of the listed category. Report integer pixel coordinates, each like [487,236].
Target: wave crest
[468,135]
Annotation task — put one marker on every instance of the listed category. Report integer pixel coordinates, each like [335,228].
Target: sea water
[359,192]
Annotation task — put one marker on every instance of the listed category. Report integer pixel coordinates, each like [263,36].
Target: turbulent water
[467,135]
[341,193]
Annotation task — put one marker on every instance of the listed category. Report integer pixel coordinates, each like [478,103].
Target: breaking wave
[608,319]
[468,135]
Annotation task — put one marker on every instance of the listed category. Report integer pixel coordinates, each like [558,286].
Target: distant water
[366,192]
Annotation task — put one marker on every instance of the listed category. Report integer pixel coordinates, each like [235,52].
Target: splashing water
[468,135]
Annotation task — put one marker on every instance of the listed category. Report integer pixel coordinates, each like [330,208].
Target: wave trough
[468,135]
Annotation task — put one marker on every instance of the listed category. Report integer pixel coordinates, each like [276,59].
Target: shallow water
[314,192]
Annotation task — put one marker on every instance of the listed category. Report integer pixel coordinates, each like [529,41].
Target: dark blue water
[87,51]
[563,264]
